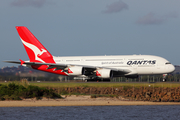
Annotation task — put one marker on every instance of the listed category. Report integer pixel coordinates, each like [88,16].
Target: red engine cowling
[104,73]
[76,70]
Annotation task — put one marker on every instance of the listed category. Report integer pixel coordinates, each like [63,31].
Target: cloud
[152,19]
[116,7]
[32,3]
[171,15]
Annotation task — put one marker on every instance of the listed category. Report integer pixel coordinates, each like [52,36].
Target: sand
[74,100]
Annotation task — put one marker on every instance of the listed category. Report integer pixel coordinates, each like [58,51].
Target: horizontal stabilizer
[16,62]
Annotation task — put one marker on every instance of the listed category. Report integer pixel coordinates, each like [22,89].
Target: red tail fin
[35,50]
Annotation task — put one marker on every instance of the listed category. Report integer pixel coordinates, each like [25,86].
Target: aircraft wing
[89,69]
[34,63]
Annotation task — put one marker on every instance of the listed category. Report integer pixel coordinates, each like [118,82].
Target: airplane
[90,67]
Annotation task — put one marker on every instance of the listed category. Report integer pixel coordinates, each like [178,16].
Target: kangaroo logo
[37,52]
[42,51]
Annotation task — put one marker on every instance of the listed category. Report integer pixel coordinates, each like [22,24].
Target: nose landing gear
[164,77]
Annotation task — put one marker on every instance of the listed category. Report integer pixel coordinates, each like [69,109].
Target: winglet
[22,62]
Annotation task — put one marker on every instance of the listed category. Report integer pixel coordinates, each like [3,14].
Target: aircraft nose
[171,68]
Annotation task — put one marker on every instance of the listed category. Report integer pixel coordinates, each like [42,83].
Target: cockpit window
[167,63]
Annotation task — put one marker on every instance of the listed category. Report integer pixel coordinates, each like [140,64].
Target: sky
[92,27]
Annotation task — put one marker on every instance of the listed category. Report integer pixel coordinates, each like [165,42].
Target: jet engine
[104,73]
[76,70]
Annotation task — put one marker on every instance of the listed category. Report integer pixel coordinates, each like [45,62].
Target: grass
[58,84]
[99,84]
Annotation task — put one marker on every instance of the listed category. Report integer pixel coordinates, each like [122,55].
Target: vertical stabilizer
[35,50]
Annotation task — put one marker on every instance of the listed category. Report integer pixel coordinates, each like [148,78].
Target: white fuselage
[137,64]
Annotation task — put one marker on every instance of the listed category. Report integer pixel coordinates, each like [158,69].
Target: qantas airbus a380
[90,67]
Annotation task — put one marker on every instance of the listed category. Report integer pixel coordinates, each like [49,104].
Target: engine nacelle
[76,70]
[104,73]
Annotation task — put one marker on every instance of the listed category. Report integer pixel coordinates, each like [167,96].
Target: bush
[93,96]
[16,92]
[1,98]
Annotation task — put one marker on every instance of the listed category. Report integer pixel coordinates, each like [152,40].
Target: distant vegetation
[14,91]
